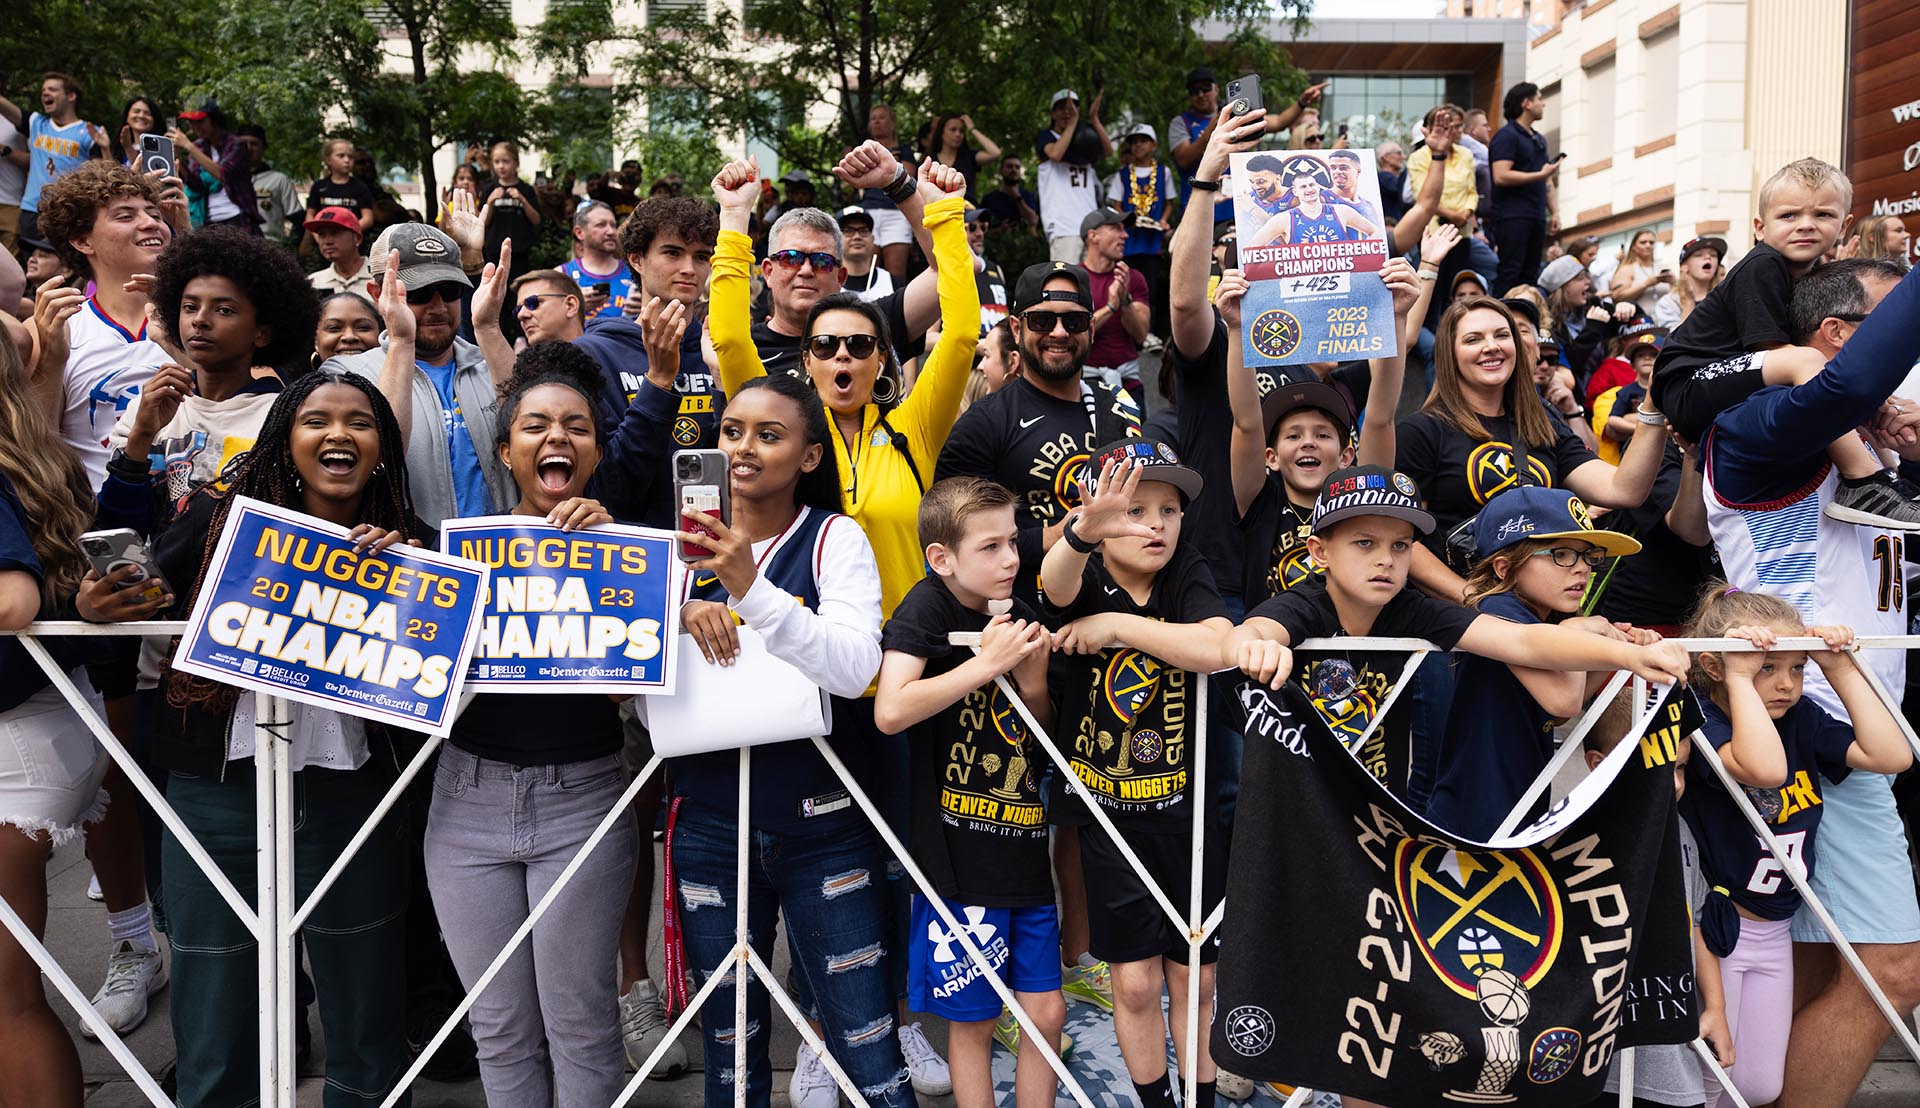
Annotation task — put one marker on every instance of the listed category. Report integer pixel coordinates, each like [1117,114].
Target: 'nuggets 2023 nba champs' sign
[1312,242]
[570,611]
[1446,972]
[288,608]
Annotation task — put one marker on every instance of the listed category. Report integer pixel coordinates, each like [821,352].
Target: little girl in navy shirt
[1536,550]
[1778,747]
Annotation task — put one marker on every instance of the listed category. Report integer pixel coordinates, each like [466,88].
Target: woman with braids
[50,768]
[813,857]
[523,780]
[328,447]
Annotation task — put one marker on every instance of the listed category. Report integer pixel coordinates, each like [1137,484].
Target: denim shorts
[50,765]
[1861,873]
[1022,944]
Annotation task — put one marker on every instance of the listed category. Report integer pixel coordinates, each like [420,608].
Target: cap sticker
[1578,510]
[429,246]
[1404,483]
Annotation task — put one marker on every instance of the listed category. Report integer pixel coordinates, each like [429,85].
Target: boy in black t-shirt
[1143,606]
[978,827]
[1740,338]
[1364,529]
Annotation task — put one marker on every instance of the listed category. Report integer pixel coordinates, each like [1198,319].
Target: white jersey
[106,367]
[1831,572]
[1067,193]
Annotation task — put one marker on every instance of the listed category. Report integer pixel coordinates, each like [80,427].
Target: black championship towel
[1366,952]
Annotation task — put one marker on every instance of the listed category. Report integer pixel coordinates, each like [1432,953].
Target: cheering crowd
[1574,457]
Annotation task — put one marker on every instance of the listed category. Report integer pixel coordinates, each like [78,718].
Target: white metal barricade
[274,918]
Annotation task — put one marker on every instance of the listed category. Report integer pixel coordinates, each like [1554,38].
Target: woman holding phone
[812,856]
[523,781]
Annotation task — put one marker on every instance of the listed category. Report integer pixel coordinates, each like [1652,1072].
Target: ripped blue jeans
[830,888]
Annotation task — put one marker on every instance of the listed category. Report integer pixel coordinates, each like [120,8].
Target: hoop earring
[893,389]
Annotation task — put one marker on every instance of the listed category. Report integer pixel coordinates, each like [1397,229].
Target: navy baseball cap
[1540,512]
[1157,459]
[1370,491]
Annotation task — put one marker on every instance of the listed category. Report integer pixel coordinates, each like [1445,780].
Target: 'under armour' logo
[975,926]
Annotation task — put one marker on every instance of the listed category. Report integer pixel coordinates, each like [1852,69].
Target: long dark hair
[821,488]
[121,153]
[889,362]
[936,140]
[267,472]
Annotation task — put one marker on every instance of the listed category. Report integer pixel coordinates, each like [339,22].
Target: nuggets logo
[1006,721]
[1553,1054]
[1348,716]
[1491,471]
[1472,913]
[686,432]
[1276,333]
[1578,510]
[1405,484]
[1147,746]
[1291,568]
[1132,679]
[1067,479]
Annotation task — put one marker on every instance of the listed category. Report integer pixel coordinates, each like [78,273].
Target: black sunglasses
[823,262]
[1043,322]
[1313,140]
[826,346]
[532,302]
[447,291]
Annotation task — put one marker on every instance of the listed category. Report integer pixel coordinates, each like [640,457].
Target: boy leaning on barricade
[978,828]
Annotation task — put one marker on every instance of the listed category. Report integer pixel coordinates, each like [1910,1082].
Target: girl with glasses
[1538,550]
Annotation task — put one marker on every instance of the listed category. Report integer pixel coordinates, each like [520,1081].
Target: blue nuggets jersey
[1731,855]
[1326,227]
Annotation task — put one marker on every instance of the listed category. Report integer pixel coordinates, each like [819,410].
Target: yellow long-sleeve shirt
[1457,189]
[878,486]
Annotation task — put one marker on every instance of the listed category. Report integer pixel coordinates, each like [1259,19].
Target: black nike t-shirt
[1125,717]
[1274,533]
[1458,475]
[1036,445]
[1348,686]
[978,827]
[1204,438]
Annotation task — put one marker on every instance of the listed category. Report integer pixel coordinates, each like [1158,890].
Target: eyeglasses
[826,346]
[1566,557]
[822,261]
[447,291]
[1043,323]
[532,302]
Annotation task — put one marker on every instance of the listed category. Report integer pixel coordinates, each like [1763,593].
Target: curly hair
[69,205]
[268,472]
[692,220]
[283,300]
[46,477]
[551,363]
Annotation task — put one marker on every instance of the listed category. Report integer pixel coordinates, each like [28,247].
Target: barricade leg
[266,874]
[1196,931]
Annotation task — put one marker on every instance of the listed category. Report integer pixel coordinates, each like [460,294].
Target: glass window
[1599,107]
[1659,84]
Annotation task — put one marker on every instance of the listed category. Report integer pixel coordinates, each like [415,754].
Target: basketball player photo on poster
[1312,242]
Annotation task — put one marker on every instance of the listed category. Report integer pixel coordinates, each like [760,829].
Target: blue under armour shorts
[1023,945]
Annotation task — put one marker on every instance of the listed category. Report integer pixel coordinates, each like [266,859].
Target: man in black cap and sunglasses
[450,406]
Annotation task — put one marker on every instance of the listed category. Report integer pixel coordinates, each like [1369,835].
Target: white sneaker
[93,888]
[134,973]
[1232,1086]
[811,1086]
[924,1064]
[643,1023]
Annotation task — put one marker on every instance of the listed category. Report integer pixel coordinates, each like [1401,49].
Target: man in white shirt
[1066,178]
[336,234]
[280,202]
[13,183]
[866,278]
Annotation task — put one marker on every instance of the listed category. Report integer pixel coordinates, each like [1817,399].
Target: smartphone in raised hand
[700,484]
[1243,94]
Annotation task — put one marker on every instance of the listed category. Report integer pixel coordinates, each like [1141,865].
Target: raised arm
[1754,755]
[730,309]
[396,373]
[1687,519]
[1247,451]
[1191,314]
[1436,242]
[1425,202]
[1102,516]
[1387,374]
[11,112]
[931,408]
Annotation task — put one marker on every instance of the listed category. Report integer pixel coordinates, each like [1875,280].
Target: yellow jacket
[878,488]
[1457,190]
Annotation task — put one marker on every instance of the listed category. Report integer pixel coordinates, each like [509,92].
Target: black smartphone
[700,484]
[1243,94]
[604,288]
[156,153]
[1343,130]
[1561,155]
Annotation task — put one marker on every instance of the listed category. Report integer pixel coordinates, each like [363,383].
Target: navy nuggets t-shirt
[1731,855]
[1497,741]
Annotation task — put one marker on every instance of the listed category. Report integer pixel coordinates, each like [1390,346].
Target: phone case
[1243,94]
[699,485]
[109,550]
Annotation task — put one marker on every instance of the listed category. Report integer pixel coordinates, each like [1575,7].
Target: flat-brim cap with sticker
[1539,512]
[1157,460]
[1370,491]
[428,255]
[1288,397]
[1031,289]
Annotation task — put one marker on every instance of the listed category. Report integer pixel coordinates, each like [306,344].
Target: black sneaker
[456,1060]
[1883,500]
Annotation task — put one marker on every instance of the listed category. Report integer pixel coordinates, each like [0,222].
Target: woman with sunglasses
[884,446]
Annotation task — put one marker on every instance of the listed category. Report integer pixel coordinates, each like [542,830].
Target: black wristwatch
[1204,186]
[138,471]
[1072,538]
